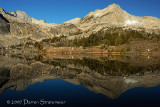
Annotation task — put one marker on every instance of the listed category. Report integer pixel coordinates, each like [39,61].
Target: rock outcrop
[21,14]
[17,27]
[6,38]
[4,25]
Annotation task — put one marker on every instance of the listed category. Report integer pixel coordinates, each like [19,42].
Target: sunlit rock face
[14,29]
[74,21]
[115,16]
[19,26]
[21,14]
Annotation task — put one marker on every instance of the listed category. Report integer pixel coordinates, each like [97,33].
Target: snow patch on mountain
[98,13]
[131,22]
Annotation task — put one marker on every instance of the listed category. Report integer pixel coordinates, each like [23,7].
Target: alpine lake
[85,80]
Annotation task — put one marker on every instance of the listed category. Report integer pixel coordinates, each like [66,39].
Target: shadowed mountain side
[5,32]
[21,74]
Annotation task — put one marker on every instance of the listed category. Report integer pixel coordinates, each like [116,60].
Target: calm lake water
[80,80]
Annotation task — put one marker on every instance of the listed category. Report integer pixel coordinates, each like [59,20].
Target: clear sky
[59,11]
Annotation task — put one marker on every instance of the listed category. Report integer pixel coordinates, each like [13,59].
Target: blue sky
[59,11]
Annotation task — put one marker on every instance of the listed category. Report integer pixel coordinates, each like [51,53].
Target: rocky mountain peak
[21,14]
[1,9]
[113,7]
[112,14]
[115,16]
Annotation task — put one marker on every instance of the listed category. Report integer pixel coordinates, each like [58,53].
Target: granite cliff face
[5,35]
[19,26]
[4,24]
[21,14]
[18,29]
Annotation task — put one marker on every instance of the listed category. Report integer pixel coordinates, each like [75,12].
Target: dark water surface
[112,81]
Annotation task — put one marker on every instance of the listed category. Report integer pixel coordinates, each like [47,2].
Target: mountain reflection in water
[109,75]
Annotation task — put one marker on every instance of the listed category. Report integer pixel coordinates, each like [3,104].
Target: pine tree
[118,40]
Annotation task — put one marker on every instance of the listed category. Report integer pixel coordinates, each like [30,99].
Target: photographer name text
[30,102]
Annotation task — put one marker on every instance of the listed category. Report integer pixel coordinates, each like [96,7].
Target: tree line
[109,38]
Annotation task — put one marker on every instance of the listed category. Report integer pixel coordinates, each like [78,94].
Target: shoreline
[93,50]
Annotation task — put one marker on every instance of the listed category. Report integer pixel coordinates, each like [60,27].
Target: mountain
[20,27]
[114,16]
